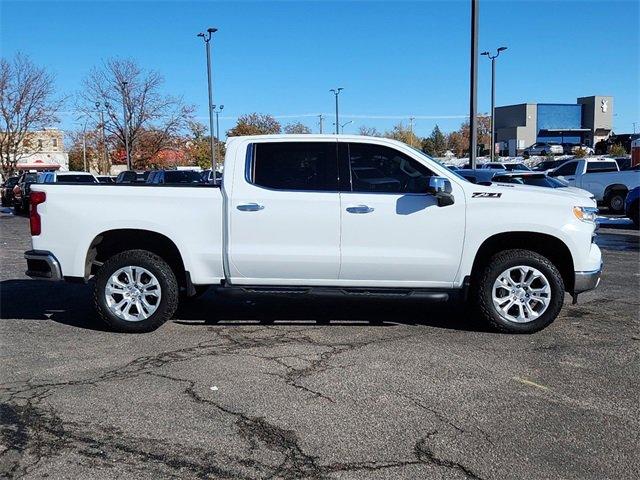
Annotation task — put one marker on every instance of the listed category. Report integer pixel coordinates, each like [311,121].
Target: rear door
[284,223]
[393,232]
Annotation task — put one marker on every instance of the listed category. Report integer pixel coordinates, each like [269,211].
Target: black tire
[496,266]
[168,289]
[615,201]
[525,155]
[17,208]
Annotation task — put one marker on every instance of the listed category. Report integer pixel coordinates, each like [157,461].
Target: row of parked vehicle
[15,190]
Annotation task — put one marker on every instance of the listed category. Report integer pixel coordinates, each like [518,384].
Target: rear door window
[298,166]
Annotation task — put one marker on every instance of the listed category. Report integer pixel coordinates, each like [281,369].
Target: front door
[393,232]
[285,215]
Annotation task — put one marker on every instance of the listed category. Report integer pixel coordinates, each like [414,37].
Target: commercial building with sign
[587,121]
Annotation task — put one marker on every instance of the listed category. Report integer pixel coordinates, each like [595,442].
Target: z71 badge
[485,195]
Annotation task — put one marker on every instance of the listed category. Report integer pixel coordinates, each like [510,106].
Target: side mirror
[440,187]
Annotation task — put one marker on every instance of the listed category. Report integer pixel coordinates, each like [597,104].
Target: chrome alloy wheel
[133,293]
[521,294]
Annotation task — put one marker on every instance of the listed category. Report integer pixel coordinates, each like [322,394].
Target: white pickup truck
[601,177]
[296,214]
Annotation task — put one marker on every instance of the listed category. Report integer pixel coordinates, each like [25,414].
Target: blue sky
[392,58]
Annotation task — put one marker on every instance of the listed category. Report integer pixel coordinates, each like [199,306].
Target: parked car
[174,177]
[543,148]
[632,206]
[548,165]
[289,220]
[625,139]
[7,191]
[601,177]
[510,166]
[21,191]
[131,176]
[106,179]
[67,177]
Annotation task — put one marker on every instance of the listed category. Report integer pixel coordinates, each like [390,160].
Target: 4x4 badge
[485,195]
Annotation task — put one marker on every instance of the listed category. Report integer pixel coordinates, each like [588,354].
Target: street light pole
[126,125]
[104,140]
[320,119]
[217,112]
[336,92]
[344,125]
[411,119]
[207,37]
[84,145]
[493,97]
[473,86]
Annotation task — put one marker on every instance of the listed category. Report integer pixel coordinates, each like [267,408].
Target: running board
[427,294]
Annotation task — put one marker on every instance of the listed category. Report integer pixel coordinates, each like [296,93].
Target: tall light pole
[320,119]
[336,92]
[207,37]
[342,125]
[126,124]
[84,145]
[104,140]
[473,86]
[493,97]
[218,112]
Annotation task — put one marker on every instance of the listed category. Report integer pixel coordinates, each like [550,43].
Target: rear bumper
[585,281]
[43,265]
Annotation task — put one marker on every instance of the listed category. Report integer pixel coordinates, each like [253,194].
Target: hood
[530,192]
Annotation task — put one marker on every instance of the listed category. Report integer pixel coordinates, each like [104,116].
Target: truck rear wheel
[615,201]
[136,291]
[519,291]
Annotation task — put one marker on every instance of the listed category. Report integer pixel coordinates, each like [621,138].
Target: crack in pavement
[32,431]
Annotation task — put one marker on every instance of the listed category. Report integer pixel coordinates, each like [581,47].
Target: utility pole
[473,86]
[493,97]
[336,92]
[126,125]
[634,127]
[207,38]
[320,119]
[411,119]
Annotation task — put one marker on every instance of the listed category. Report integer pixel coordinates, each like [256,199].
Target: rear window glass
[75,179]
[182,176]
[602,167]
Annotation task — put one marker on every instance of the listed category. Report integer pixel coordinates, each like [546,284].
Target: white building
[44,151]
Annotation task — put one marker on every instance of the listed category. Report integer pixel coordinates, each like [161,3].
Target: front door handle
[250,207]
[360,209]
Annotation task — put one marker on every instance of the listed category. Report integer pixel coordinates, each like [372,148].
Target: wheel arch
[546,245]
[111,242]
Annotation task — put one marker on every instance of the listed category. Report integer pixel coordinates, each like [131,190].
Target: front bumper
[43,265]
[585,281]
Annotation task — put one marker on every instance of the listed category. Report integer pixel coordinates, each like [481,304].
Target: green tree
[198,149]
[255,124]
[435,144]
[297,128]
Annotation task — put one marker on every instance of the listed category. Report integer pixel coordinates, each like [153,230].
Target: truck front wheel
[519,291]
[136,291]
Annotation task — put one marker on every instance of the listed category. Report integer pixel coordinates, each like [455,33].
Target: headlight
[586,214]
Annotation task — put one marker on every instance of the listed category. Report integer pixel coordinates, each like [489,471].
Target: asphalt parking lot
[250,387]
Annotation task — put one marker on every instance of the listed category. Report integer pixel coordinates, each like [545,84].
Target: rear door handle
[250,207]
[360,209]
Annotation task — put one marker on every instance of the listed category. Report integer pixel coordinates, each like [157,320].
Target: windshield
[516,166]
[11,181]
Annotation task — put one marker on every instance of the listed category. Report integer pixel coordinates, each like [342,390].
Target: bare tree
[123,90]
[27,104]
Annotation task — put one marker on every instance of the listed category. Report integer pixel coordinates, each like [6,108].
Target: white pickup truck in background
[352,215]
[601,177]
